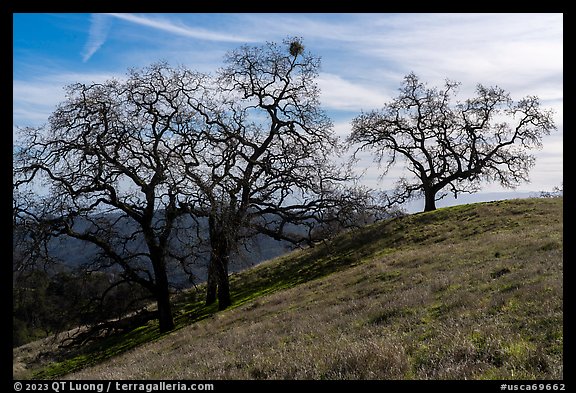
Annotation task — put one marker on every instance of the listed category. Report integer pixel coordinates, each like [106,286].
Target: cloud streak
[99,27]
[181,29]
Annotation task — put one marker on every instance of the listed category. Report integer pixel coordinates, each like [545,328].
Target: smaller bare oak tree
[452,146]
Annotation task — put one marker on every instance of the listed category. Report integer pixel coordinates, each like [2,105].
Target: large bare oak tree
[452,146]
[267,161]
[109,165]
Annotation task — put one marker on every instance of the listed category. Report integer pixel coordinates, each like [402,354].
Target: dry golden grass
[470,292]
[36,353]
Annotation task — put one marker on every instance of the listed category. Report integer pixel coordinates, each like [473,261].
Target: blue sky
[364,59]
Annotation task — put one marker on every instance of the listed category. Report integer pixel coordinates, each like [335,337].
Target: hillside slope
[466,292]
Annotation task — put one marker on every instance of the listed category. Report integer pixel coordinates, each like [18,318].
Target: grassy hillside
[472,291]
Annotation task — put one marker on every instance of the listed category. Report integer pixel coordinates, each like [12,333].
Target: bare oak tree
[268,150]
[453,146]
[111,162]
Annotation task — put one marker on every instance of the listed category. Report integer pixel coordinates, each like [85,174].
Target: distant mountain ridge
[260,248]
[74,252]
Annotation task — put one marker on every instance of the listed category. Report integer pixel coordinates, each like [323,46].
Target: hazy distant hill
[76,252]
[73,252]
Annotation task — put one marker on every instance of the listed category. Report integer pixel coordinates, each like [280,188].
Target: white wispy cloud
[34,100]
[472,48]
[99,27]
[179,28]
[341,94]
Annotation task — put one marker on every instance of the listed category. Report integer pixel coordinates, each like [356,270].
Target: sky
[365,58]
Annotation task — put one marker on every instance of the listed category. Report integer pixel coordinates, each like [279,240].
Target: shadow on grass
[282,273]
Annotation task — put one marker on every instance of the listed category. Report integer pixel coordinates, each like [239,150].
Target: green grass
[472,291]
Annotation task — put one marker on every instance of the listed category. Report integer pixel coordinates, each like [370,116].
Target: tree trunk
[220,286]
[165,319]
[162,294]
[429,200]
[224,299]
[218,283]
[211,283]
